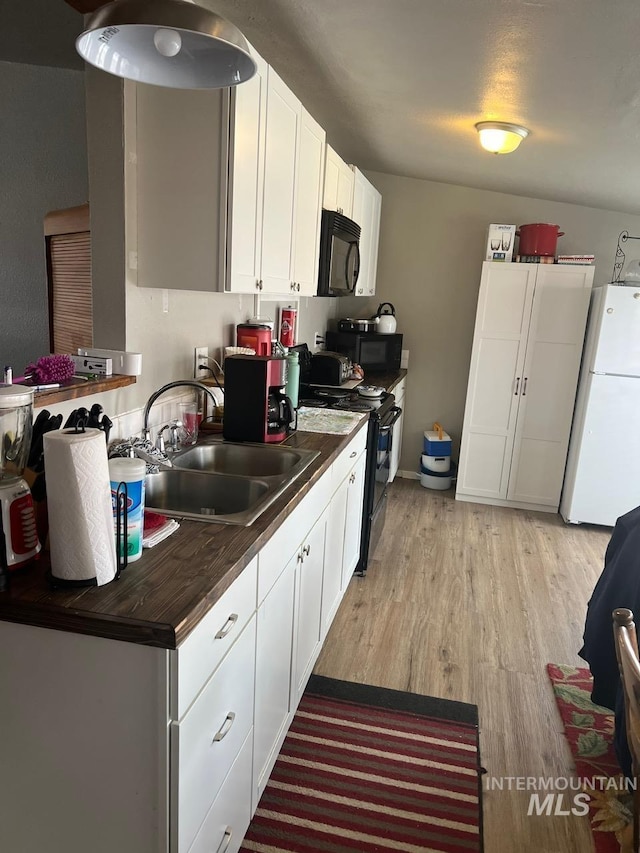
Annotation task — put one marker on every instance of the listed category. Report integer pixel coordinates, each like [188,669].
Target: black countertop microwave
[370,350]
[339,264]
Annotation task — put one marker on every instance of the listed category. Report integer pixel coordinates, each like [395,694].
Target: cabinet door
[345,189]
[246,168]
[333,555]
[353,521]
[495,378]
[396,445]
[180,187]
[363,215]
[309,184]
[283,116]
[375,240]
[331,172]
[549,383]
[309,569]
[273,676]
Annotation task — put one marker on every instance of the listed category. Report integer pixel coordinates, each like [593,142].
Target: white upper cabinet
[338,184]
[523,378]
[308,205]
[367,205]
[175,185]
[246,171]
[276,179]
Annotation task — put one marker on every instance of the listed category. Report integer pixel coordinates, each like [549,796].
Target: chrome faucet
[189,383]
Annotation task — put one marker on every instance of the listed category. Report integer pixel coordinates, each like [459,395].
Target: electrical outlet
[318,340]
[200,356]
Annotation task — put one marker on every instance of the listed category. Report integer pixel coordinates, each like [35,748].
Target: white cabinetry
[176,186]
[344,527]
[523,377]
[277,174]
[338,184]
[178,744]
[367,205]
[396,435]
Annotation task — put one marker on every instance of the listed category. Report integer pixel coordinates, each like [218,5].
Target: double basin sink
[224,482]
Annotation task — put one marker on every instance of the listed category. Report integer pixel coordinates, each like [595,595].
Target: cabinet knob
[228,625]
[225,728]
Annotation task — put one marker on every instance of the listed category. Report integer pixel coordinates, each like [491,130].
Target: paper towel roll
[81,536]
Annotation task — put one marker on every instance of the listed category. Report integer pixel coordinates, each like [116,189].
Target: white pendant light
[169,43]
[500,137]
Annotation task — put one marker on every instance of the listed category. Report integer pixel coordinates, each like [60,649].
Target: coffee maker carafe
[19,541]
[255,405]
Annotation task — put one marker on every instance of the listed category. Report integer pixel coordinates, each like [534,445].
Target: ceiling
[399,84]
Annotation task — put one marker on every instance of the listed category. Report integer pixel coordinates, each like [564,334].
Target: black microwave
[370,350]
[339,264]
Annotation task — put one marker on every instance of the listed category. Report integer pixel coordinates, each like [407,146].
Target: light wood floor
[469,602]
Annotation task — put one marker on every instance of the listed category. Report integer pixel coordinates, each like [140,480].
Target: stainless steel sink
[245,460]
[225,483]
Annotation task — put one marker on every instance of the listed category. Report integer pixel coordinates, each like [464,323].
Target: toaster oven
[329,368]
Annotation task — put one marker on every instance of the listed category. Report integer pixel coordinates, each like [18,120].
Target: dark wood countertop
[162,596]
[387,379]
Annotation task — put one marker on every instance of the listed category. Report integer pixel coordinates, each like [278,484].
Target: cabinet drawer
[347,459]
[228,818]
[196,659]
[285,541]
[205,744]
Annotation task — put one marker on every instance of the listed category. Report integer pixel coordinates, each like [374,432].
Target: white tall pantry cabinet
[523,377]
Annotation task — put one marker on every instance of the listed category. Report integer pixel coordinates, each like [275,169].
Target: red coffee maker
[255,405]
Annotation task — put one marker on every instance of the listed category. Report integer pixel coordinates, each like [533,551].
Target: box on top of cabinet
[500,243]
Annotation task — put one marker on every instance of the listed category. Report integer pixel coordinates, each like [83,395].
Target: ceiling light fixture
[500,137]
[172,43]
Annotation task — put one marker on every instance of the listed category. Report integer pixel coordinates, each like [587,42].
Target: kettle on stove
[386,321]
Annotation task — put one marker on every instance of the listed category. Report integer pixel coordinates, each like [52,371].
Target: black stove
[343,399]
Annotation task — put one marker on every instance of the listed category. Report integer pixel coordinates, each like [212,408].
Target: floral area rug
[589,731]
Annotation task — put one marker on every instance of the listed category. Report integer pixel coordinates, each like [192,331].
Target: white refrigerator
[602,479]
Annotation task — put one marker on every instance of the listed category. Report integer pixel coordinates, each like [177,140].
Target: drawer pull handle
[225,728]
[228,625]
[306,550]
[352,478]
[353,455]
[226,840]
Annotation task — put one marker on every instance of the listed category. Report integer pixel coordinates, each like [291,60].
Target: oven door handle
[396,412]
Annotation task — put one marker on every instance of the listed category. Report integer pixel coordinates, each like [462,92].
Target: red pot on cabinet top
[538,239]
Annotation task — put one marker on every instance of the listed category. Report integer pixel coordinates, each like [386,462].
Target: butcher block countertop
[161,597]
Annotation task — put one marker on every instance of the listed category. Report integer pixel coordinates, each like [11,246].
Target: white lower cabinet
[207,741]
[228,818]
[309,569]
[273,676]
[186,739]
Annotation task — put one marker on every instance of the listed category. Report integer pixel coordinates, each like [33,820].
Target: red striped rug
[365,769]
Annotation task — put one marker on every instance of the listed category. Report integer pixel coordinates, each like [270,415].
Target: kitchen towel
[82,541]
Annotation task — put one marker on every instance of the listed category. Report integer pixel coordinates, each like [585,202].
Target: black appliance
[339,264]
[370,350]
[383,413]
[255,405]
[329,368]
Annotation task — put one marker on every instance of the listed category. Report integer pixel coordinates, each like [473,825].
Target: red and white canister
[288,326]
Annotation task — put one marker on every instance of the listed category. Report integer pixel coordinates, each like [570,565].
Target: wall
[432,244]
[43,157]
